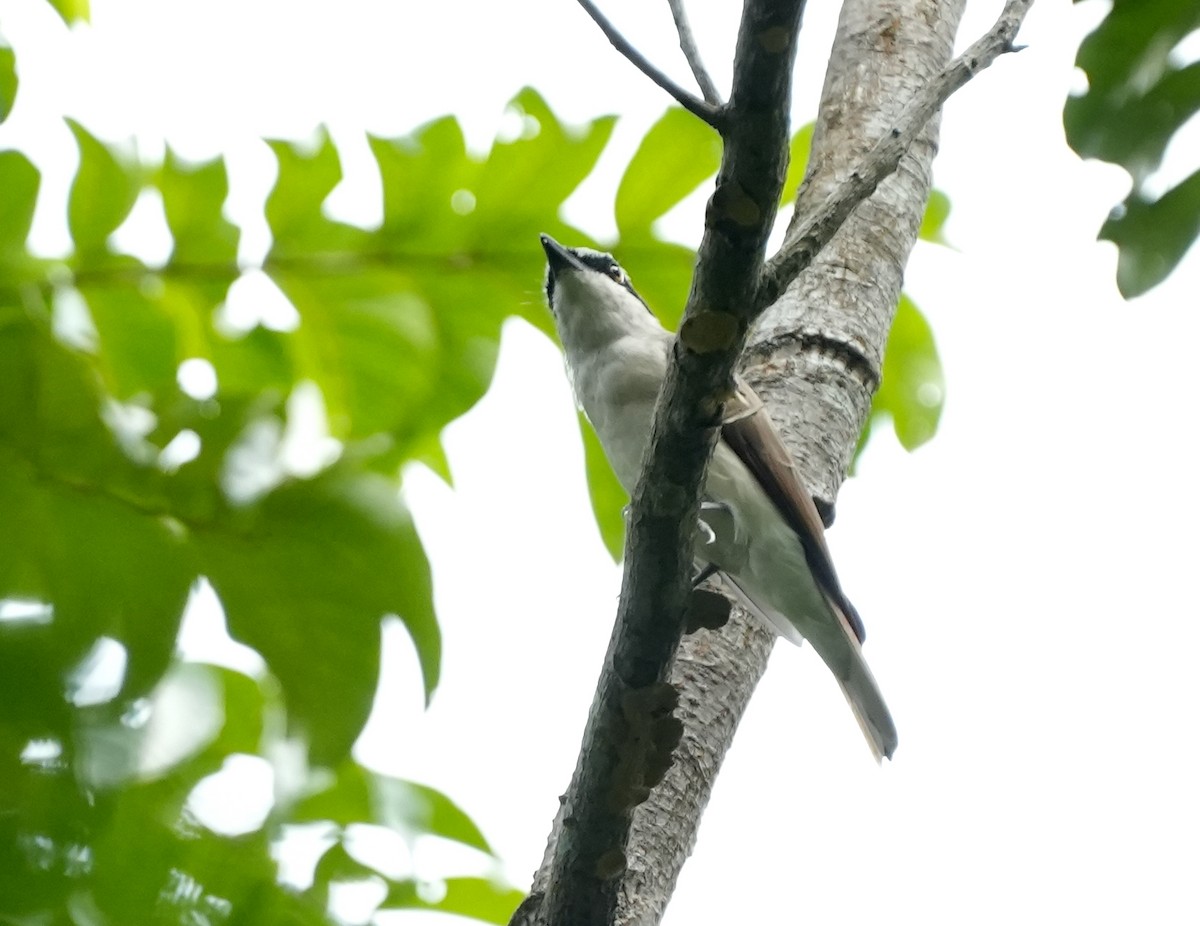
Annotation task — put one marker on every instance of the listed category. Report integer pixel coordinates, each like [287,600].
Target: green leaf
[88,521]
[138,347]
[20,180]
[661,272]
[912,391]
[676,155]
[8,79]
[102,194]
[301,231]
[193,196]
[280,905]
[86,554]
[72,10]
[1137,94]
[336,864]
[247,365]
[370,343]
[477,898]
[140,847]
[45,825]
[797,161]
[154,865]
[394,354]
[937,210]
[306,579]
[1140,93]
[1154,236]
[609,499]
[359,795]
[425,176]
[524,182]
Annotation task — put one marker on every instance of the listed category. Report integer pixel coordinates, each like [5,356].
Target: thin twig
[696,106]
[807,237]
[691,51]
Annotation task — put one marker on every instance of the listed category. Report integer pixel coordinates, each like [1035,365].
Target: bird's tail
[840,650]
[861,690]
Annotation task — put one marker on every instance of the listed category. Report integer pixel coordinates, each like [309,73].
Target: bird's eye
[617,273]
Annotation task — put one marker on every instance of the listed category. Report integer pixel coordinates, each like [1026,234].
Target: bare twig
[687,42]
[702,109]
[807,237]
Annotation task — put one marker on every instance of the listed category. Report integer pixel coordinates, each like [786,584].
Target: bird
[759,526]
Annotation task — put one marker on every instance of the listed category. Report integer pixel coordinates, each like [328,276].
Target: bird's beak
[559,257]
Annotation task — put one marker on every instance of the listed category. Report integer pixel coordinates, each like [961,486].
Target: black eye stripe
[601,263]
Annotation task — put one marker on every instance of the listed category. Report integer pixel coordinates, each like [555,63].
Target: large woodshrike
[759,525]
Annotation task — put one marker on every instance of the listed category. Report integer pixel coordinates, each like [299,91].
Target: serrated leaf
[8,80]
[371,344]
[912,392]
[422,175]
[608,497]
[299,228]
[359,795]
[1154,236]
[525,181]
[306,580]
[193,197]
[103,193]
[395,354]
[477,898]
[675,156]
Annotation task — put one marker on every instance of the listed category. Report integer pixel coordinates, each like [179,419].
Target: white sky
[1026,579]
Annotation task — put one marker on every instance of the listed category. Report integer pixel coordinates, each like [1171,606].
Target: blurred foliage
[677,155]
[196,426]
[125,480]
[72,10]
[1140,93]
[8,79]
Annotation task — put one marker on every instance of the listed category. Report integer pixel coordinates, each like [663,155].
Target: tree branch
[806,238]
[584,878]
[691,51]
[703,110]
[608,782]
